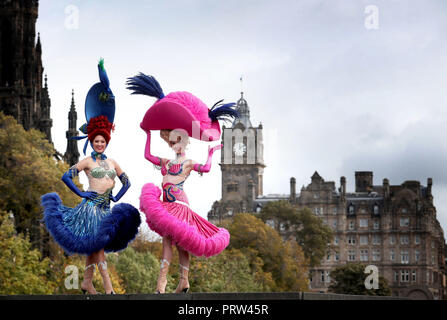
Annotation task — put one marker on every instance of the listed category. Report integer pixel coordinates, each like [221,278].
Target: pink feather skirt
[186,228]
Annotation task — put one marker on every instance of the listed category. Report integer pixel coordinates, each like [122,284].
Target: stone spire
[72,153]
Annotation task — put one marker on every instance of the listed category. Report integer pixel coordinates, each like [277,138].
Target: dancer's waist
[177,201]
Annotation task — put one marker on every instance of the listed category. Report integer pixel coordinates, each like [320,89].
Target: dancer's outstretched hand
[219,146]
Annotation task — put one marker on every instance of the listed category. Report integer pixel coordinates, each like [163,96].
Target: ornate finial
[46,81]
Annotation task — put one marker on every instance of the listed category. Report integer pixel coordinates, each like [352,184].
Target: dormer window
[376,209]
[351,209]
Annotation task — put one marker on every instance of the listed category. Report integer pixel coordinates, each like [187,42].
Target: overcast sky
[339,86]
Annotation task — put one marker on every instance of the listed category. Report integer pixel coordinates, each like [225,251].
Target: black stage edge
[272,305]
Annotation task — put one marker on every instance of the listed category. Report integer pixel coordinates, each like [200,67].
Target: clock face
[239,149]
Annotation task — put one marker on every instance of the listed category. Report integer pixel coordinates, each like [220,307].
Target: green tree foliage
[350,279]
[138,270]
[21,269]
[302,225]
[227,272]
[280,265]
[28,170]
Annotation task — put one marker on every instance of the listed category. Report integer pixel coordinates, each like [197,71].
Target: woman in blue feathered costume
[92,228]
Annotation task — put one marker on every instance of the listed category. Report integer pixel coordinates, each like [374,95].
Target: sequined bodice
[174,169]
[100,172]
[102,177]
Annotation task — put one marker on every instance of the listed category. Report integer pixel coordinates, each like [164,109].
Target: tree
[138,270]
[281,261]
[306,228]
[227,272]
[27,171]
[21,269]
[350,279]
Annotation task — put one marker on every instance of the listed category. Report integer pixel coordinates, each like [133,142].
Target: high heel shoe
[183,285]
[107,283]
[87,284]
[162,277]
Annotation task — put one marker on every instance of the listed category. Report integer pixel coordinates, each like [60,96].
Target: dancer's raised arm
[147,152]
[201,168]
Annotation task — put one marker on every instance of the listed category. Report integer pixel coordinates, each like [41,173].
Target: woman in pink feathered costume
[178,116]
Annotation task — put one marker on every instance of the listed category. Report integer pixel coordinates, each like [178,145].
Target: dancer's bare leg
[90,266]
[183,285]
[102,266]
[164,267]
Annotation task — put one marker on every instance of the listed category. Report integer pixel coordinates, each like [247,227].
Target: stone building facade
[22,94]
[393,227]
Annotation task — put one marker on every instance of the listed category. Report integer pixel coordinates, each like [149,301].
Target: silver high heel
[162,276]
[102,266]
[183,285]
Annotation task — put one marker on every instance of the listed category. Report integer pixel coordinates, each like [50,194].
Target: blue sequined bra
[100,172]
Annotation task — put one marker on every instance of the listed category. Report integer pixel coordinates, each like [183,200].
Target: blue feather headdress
[225,112]
[99,101]
[145,85]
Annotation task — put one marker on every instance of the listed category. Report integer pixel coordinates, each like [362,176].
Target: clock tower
[242,165]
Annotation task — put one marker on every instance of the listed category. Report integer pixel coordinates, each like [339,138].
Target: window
[363,223]
[328,276]
[337,256]
[392,239]
[396,276]
[334,211]
[433,244]
[317,211]
[232,187]
[404,210]
[376,225]
[404,239]
[432,260]
[376,209]
[351,255]
[364,255]
[328,258]
[428,277]
[230,212]
[322,276]
[258,209]
[351,209]
[376,255]
[376,239]
[334,224]
[404,257]
[316,195]
[392,255]
[404,276]
[363,210]
[416,256]
[351,225]
[413,276]
[417,239]
[351,240]
[336,240]
[363,239]
[404,222]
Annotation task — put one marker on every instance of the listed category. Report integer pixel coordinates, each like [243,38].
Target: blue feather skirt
[91,225]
